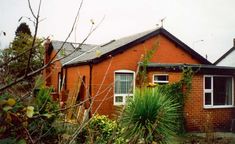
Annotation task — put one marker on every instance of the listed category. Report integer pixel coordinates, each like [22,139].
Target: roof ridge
[120,45]
[68,42]
[224,55]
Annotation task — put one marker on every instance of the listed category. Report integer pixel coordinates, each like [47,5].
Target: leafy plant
[44,114]
[142,74]
[21,122]
[150,117]
[100,129]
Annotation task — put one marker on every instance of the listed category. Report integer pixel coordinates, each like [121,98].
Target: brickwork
[198,117]
[102,79]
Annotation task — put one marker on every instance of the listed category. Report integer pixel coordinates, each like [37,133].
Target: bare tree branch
[53,60]
[35,34]
[74,23]
[31,10]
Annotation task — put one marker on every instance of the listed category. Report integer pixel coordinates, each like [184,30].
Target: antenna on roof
[162,21]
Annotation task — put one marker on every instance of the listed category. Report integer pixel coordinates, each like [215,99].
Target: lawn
[209,138]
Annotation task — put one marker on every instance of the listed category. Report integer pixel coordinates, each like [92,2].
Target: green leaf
[7,108]
[30,111]
[48,115]
[21,141]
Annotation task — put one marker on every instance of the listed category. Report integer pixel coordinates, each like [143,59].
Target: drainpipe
[65,79]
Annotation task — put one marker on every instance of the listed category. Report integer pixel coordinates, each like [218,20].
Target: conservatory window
[218,91]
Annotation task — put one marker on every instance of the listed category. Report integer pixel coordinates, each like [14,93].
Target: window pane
[123,83]
[161,78]
[207,98]
[207,82]
[118,99]
[222,91]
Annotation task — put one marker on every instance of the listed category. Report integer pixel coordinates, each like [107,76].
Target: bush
[22,122]
[101,130]
[150,117]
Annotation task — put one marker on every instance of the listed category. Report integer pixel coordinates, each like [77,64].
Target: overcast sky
[192,21]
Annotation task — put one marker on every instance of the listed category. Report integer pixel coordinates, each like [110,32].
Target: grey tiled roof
[70,48]
[88,52]
[107,47]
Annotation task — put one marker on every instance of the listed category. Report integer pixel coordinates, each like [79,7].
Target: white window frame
[212,92]
[160,82]
[123,95]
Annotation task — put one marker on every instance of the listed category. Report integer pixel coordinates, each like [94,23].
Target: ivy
[142,74]
[180,90]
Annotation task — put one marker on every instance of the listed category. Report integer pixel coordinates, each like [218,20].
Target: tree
[23,28]
[20,47]
[14,73]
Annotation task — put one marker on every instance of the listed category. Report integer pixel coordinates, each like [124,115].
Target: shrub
[101,130]
[22,122]
[150,117]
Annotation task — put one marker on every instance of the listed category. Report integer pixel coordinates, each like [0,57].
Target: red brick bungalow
[108,73]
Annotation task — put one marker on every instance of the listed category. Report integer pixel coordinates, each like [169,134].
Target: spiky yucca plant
[150,117]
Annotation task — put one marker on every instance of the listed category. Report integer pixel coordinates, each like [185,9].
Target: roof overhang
[198,68]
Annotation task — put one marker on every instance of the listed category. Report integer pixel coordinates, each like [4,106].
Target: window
[218,91]
[123,87]
[160,79]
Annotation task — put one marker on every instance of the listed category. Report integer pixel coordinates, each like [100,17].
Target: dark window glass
[207,82]
[207,98]
[161,78]
[222,89]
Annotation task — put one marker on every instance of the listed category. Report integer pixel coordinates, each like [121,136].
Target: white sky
[212,21]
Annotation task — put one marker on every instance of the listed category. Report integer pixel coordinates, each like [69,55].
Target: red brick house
[106,73]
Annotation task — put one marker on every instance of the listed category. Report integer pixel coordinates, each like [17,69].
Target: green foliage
[142,74]
[186,80]
[21,44]
[23,28]
[12,140]
[180,90]
[100,130]
[151,116]
[46,112]
[14,60]
[16,120]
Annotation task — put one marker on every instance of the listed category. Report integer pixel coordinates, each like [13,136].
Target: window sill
[218,107]
[119,104]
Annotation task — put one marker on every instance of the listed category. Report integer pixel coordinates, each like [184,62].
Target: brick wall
[198,118]
[103,77]
[167,52]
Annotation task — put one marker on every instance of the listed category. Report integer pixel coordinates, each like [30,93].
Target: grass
[200,138]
